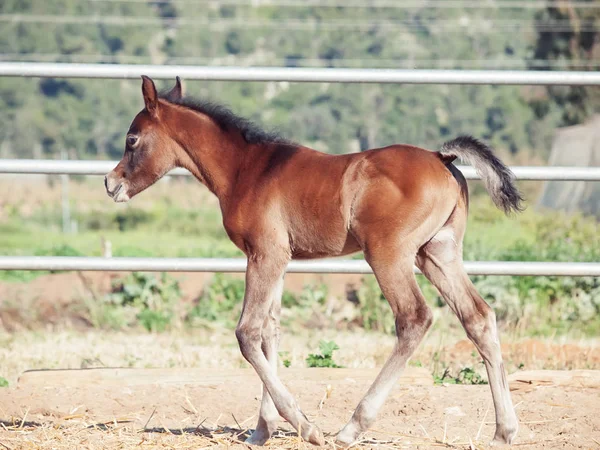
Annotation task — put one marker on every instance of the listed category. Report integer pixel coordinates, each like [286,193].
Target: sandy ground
[120,416]
[218,414]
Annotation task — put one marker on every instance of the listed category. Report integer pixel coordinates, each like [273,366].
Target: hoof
[313,435]
[504,436]
[347,436]
[258,437]
[342,444]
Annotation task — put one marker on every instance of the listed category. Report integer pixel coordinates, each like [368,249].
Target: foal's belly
[325,247]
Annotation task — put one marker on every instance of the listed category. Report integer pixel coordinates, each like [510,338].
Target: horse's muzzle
[116,188]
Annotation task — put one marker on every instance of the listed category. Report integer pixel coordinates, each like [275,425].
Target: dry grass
[119,434]
[80,431]
[74,428]
[217,348]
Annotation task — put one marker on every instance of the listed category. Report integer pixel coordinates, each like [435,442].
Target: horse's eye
[132,139]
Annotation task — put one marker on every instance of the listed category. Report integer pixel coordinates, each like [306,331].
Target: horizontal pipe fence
[289,74]
[239,265]
[343,266]
[37,166]
[301,74]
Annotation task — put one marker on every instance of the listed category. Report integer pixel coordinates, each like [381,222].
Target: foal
[400,204]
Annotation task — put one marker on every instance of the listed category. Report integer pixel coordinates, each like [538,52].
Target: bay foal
[400,204]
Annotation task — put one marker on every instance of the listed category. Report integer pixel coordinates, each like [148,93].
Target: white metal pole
[315,266]
[300,74]
[83,167]
[66,207]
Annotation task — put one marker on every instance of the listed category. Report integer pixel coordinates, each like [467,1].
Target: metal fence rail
[239,265]
[36,166]
[327,75]
[300,74]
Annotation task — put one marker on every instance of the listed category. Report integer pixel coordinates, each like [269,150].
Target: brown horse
[399,204]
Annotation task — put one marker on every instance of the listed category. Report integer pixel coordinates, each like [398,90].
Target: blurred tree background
[88,118]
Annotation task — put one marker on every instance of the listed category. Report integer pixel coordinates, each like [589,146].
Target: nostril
[106,182]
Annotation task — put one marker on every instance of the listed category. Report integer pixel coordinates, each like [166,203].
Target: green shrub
[312,294]
[140,298]
[285,360]
[325,358]
[58,250]
[132,218]
[220,302]
[375,313]
[289,300]
[467,375]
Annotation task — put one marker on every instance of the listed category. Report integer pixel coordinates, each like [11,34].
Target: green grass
[170,231]
[32,241]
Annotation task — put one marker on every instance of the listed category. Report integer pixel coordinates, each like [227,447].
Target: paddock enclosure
[193,408]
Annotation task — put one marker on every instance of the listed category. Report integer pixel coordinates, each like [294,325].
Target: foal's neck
[212,155]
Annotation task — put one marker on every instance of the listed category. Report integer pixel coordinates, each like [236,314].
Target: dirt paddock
[169,408]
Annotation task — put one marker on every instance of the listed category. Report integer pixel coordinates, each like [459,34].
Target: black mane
[227,120]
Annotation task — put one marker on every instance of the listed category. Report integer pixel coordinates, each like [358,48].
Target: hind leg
[441,262]
[413,318]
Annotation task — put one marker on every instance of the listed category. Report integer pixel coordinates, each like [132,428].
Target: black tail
[498,179]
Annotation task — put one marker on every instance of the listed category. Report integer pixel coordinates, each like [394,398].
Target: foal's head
[150,151]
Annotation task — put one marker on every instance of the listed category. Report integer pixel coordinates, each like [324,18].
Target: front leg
[262,278]
[268,417]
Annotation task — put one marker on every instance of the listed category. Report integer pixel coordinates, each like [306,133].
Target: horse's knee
[413,326]
[480,325]
[249,338]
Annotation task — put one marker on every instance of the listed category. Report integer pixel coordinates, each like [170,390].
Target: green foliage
[58,250]
[466,375]
[543,305]
[3,382]
[284,359]
[530,305]
[312,294]
[140,298]
[567,105]
[375,313]
[87,117]
[325,357]
[288,300]
[220,302]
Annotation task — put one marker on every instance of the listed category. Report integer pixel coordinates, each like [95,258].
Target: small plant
[284,359]
[3,382]
[374,311]
[314,294]
[220,302]
[467,375]
[325,358]
[288,300]
[141,298]
[311,295]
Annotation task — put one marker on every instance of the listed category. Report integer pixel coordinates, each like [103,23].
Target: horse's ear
[150,95]
[176,93]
